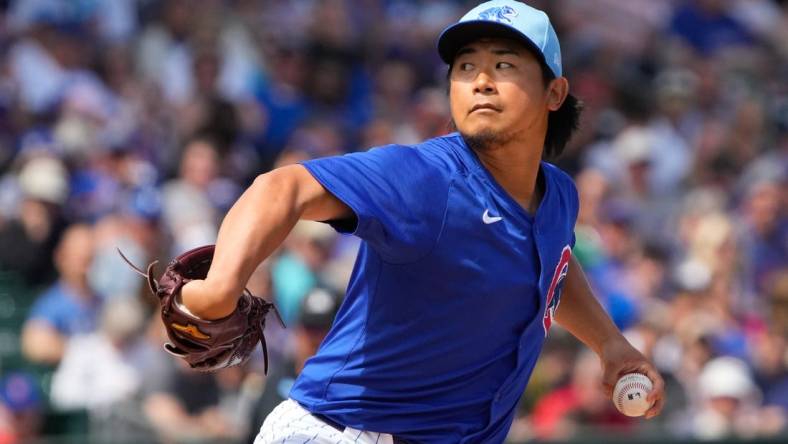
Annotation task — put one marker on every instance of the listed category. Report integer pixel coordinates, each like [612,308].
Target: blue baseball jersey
[450,298]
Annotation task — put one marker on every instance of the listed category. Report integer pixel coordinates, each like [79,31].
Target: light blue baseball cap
[508,19]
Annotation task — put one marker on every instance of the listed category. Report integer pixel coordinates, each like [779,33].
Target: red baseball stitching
[625,388]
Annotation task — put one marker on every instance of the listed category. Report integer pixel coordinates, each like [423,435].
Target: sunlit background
[136,123]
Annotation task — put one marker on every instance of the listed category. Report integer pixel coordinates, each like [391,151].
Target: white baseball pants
[289,423]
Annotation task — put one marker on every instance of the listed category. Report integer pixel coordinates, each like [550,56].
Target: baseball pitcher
[466,255]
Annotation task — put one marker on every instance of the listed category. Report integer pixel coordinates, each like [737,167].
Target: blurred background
[136,123]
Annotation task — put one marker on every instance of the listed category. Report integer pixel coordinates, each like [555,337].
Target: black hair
[561,124]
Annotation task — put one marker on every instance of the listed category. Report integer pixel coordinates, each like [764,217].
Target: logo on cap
[498,14]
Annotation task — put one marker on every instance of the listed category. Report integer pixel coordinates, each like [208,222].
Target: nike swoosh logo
[191,330]
[486,218]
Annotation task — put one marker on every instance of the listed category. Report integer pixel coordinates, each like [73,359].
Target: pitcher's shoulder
[444,152]
[563,183]
[559,176]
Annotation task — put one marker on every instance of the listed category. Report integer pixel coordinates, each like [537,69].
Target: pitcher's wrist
[208,301]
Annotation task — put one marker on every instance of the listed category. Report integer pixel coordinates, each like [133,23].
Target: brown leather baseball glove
[206,345]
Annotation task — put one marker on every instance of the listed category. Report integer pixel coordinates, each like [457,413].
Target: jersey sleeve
[569,207]
[398,197]
[574,202]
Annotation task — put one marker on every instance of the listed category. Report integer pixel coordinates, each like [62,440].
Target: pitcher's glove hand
[206,345]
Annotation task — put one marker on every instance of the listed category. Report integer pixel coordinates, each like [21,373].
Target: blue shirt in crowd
[65,311]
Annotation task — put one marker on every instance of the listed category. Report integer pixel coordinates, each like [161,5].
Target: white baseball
[630,392]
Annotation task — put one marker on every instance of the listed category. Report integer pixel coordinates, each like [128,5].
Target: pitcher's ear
[557,91]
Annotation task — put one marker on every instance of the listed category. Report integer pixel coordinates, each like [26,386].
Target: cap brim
[453,38]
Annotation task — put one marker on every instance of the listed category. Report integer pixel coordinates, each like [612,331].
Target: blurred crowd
[135,124]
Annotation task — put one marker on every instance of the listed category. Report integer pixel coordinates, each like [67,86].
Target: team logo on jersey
[554,292]
[500,14]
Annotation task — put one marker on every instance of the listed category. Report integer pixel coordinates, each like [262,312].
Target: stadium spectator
[68,307]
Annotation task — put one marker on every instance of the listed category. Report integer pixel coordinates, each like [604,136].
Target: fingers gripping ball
[630,393]
[206,345]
